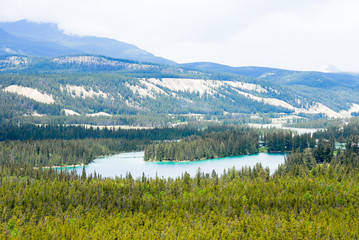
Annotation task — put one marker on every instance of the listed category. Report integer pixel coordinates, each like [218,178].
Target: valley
[101,139]
[116,87]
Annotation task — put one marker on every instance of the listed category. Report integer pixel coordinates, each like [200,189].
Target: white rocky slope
[175,87]
[14,60]
[150,87]
[80,91]
[69,112]
[31,93]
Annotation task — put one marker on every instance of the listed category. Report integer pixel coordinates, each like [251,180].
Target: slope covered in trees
[90,84]
[249,203]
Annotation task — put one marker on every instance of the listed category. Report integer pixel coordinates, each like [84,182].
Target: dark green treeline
[281,141]
[214,142]
[209,145]
[30,131]
[58,145]
[234,142]
[63,152]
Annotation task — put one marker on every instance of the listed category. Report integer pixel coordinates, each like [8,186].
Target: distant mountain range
[45,71]
[87,84]
[46,40]
[288,77]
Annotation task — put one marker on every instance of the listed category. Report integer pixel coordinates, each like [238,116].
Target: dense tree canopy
[314,194]
[209,145]
[293,203]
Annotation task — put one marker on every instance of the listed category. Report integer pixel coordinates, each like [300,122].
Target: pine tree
[308,159]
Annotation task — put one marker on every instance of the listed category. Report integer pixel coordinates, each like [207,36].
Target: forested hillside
[90,86]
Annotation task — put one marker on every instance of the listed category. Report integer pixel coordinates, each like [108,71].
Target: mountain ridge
[10,44]
[29,33]
[87,84]
[88,78]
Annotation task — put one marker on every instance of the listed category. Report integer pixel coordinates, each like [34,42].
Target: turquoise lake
[123,163]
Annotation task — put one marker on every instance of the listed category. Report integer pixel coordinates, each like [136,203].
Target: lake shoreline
[82,164]
[122,164]
[216,158]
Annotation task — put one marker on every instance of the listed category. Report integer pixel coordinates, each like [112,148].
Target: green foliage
[341,131]
[281,141]
[30,131]
[318,123]
[308,159]
[63,152]
[12,106]
[246,204]
[114,76]
[207,146]
[302,199]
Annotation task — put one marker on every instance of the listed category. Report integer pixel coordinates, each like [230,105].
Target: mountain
[45,39]
[288,77]
[330,69]
[215,67]
[89,85]
[10,44]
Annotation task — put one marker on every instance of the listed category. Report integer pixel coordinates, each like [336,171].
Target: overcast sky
[304,35]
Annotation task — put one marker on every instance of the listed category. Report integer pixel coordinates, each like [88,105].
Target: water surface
[133,162]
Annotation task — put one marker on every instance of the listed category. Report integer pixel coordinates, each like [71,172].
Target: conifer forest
[313,195]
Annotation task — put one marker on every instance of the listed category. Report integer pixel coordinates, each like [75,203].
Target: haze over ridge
[301,35]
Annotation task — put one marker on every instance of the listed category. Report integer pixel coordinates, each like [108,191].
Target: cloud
[279,33]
